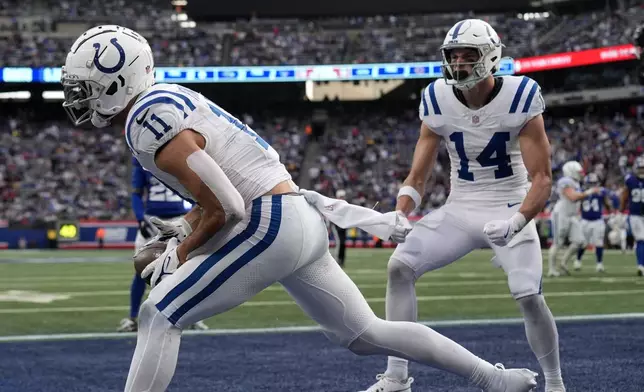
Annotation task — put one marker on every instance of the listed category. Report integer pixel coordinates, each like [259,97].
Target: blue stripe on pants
[207,264]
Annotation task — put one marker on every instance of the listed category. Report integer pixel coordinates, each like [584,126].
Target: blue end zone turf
[596,356]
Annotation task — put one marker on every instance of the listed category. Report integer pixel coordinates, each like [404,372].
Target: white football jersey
[164,110]
[483,144]
[564,205]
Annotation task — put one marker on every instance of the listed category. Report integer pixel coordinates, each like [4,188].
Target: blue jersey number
[157,134]
[636,195]
[494,154]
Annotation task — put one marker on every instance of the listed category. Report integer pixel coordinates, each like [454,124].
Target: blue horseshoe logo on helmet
[118,65]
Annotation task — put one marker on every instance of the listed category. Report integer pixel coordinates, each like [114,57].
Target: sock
[639,252]
[569,252]
[400,305]
[541,331]
[422,344]
[580,253]
[552,257]
[623,237]
[155,356]
[599,252]
[137,289]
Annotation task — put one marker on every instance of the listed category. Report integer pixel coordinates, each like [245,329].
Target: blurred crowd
[52,170]
[40,32]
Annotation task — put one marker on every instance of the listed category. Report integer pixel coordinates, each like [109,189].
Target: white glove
[401,229]
[501,232]
[178,228]
[165,265]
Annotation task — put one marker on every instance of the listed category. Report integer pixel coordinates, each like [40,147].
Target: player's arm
[623,199]
[421,167]
[184,158]
[139,183]
[535,150]
[574,195]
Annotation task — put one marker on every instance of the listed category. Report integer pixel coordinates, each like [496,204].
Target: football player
[150,199]
[564,219]
[495,136]
[593,226]
[251,227]
[633,198]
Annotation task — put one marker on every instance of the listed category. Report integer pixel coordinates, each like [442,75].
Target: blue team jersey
[592,207]
[635,189]
[160,201]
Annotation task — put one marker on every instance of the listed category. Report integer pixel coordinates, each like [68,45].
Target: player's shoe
[199,326]
[564,269]
[577,265]
[513,380]
[386,384]
[640,270]
[553,273]
[599,267]
[127,325]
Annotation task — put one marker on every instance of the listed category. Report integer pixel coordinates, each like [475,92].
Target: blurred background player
[339,234]
[633,197]
[593,226]
[565,220]
[150,198]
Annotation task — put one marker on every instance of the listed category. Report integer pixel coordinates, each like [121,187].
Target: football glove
[501,232]
[178,229]
[163,266]
[401,229]
[147,231]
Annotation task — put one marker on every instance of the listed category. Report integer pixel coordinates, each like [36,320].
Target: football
[147,254]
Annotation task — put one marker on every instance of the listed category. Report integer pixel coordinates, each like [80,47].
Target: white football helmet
[638,166]
[105,68]
[476,34]
[573,169]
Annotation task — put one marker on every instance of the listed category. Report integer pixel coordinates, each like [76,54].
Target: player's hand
[401,229]
[165,265]
[501,232]
[312,197]
[169,229]
[147,231]
[592,191]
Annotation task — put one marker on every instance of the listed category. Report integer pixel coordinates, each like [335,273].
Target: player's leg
[522,262]
[637,228]
[560,228]
[577,241]
[259,251]
[597,239]
[137,290]
[587,232]
[329,297]
[434,242]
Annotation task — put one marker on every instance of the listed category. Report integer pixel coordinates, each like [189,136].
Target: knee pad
[399,271]
[523,283]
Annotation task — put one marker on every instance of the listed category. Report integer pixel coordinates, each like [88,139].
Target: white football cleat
[199,326]
[553,273]
[600,267]
[127,325]
[577,265]
[513,380]
[386,384]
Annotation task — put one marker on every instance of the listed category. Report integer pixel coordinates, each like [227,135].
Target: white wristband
[411,192]
[519,221]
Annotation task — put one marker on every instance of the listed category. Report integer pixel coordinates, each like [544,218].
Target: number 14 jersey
[164,110]
[483,144]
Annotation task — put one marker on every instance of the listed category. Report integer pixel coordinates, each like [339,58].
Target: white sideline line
[292,303]
[315,328]
[564,280]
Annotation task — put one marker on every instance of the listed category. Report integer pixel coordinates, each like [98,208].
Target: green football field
[45,292]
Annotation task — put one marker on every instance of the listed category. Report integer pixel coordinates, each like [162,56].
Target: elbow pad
[211,174]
